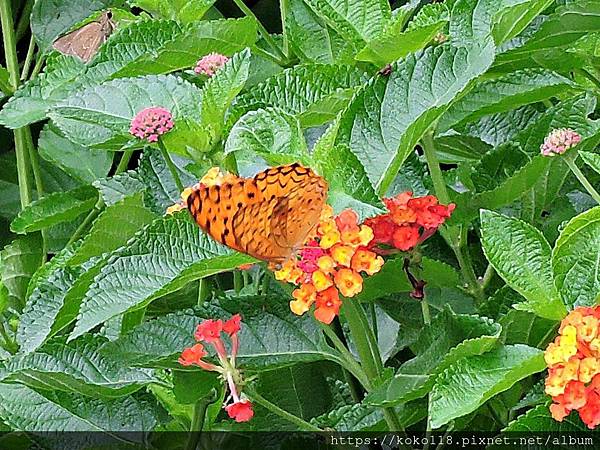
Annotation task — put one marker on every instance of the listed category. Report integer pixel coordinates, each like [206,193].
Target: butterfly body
[268,216]
[85,41]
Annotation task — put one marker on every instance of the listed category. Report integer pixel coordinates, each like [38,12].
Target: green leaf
[392,278]
[82,163]
[474,20]
[32,100]
[221,89]
[355,20]
[503,94]
[576,260]
[77,367]
[28,410]
[160,47]
[548,44]
[539,419]
[20,260]
[101,115]
[515,17]
[183,11]
[160,189]
[312,40]
[520,327]
[55,208]
[521,255]
[513,168]
[116,188]
[342,169]
[271,134]
[361,417]
[65,14]
[496,129]
[449,338]
[389,115]
[113,228]
[270,336]
[473,380]
[166,255]
[46,294]
[315,93]
[591,159]
[395,42]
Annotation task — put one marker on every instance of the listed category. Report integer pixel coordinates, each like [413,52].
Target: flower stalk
[570,160]
[456,237]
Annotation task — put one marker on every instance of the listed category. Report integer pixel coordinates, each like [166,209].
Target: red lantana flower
[211,331]
[240,411]
[192,355]
[409,221]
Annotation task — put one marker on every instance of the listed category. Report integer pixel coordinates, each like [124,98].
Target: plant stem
[487,276]
[261,29]
[8,37]
[37,176]
[354,368]
[28,59]
[124,162]
[368,351]
[25,188]
[38,64]
[454,236]
[439,184]
[284,7]
[170,165]
[12,65]
[298,421]
[203,290]
[360,331]
[23,23]
[86,223]
[425,311]
[198,419]
[570,160]
[237,281]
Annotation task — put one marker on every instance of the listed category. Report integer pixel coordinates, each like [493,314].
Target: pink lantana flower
[209,64]
[559,141]
[151,122]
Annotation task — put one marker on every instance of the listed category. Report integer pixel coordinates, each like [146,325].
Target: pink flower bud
[559,141]
[209,64]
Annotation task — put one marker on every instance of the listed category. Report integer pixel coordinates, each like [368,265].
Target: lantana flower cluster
[409,222]
[559,141]
[210,64]
[574,367]
[210,332]
[150,123]
[330,264]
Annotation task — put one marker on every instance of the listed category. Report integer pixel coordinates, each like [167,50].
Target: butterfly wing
[302,195]
[85,42]
[259,216]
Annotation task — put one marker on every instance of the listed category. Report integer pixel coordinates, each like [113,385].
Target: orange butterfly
[268,216]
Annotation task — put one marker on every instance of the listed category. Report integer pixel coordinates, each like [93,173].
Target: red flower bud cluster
[409,221]
[210,332]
